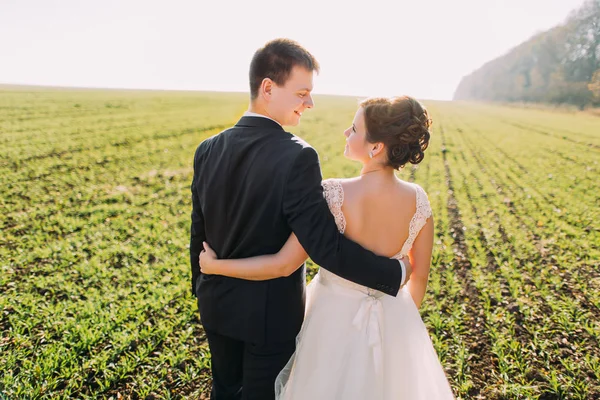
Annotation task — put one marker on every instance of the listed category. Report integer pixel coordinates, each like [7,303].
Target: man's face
[289,101]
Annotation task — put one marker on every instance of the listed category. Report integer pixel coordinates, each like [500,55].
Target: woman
[357,343]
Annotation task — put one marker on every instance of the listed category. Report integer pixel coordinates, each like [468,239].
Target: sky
[365,48]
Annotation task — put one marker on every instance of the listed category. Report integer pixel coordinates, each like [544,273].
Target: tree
[594,85]
[583,42]
[557,66]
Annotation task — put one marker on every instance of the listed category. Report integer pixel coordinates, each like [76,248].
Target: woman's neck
[377,171]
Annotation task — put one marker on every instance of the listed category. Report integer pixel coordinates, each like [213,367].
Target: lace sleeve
[334,195]
[422,213]
[423,206]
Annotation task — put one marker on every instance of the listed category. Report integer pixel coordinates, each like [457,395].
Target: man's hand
[207,258]
[408,268]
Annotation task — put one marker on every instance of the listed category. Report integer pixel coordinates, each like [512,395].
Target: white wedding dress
[358,343]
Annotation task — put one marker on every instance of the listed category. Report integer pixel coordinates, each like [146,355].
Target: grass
[95,228]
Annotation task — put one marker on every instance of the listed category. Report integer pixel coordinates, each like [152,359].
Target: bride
[355,342]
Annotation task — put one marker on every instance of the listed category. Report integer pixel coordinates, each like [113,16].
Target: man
[254,184]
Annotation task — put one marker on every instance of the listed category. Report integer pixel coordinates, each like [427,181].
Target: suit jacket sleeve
[197,230]
[308,215]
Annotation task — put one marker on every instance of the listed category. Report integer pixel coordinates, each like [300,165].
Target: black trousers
[245,371]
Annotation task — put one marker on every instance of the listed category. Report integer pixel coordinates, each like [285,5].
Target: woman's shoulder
[422,204]
[411,187]
[341,182]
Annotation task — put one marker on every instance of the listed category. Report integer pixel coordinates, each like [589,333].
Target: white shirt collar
[253,114]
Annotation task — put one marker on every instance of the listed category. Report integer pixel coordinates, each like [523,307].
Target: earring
[370,153]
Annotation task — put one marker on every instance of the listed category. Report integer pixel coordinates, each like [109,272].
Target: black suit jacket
[253,185]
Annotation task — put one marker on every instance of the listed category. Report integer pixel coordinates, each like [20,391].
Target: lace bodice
[334,194]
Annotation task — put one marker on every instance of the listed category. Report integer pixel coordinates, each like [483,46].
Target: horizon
[16,86]
[136,45]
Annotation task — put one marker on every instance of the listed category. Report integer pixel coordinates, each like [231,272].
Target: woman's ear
[377,149]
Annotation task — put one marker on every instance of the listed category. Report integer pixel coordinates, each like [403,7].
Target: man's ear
[266,87]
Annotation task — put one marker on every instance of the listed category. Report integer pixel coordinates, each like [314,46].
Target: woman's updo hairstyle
[401,124]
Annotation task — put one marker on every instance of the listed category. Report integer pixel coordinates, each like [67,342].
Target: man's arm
[309,217]
[198,234]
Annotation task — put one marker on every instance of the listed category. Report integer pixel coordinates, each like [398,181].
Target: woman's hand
[208,260]
[257,268]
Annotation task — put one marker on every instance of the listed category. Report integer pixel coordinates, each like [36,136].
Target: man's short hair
[275,60]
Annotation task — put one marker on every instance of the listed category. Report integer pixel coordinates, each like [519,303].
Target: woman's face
[357,146]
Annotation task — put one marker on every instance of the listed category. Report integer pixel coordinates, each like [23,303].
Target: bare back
[389,217]
[378,213]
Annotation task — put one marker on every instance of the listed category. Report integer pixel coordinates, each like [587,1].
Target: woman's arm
[420,258]
[258,268]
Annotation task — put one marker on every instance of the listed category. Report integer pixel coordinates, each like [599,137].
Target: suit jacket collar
[258,122]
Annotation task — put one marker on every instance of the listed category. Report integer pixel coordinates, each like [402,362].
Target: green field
[95,229]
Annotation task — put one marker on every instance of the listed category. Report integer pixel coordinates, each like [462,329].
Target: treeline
[561,65]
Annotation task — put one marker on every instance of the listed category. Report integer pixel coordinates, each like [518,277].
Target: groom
[254,184]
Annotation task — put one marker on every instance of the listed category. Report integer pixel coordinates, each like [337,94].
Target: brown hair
[401,124]
[275,60]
